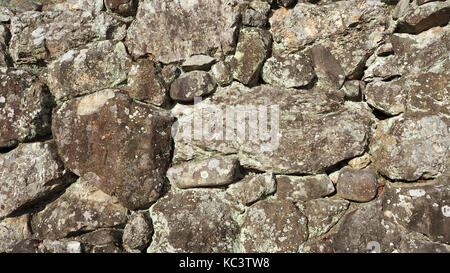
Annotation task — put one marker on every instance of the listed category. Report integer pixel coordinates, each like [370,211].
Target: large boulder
[120,146]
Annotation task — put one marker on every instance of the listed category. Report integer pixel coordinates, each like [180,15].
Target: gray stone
[221,73]
[198,62]
[92,6]
[208,172]
[357,185]
[81,208]
[12,231]
[323,214]
[25,6]
[387,97]
[303,188]
[5,14]
[252,188]
[273,226]
[138,232]
[400,9]
[172,31]
[94,67]
[292,70]
[352,89]
[194,221]
[30,173]
[424,17]
[326,66]
[56,246]
[25,107]
[190,85]
[101,241]
[122,7]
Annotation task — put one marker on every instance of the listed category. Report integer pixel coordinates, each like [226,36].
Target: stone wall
[224,126]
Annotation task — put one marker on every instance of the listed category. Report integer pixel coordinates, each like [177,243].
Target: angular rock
[122,7]
[81,208]
[326,66]
[26,246]
[198,62]
[273,226]
[400,9]
[352,89]
[56,246]
[413,245]
[92,6]
[204,173]
[357,185]
[5,14]
[385,50]
[351,41]
[285,3]
[420,208]
[169,73]
[360,162]
[221,73]
[363,229]
[411,146]
[101,241]
[291,70]
[251,52]
[138,232]
[30,173]
[190,85]
[28,6]
[387,97]
[254,18]
[252,188]
[120,146]
[12,231]
[194,221]
[145,83]
[25,107]
[305,131]
[172,31]
[303,188]
[424,17]
[316,246]
[41,36]
[323,214]
[96,66]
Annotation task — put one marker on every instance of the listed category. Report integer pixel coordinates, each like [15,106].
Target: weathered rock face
[122,7]
[204,173]
[25,107]
[253,187]
[323,214]
[81,208]
[328,69]
[118,145]
[12,231]
[273,226]
[198,62]
[40,36]
[303,188]
[101,241]
[190,85]
[29,173]
[424,17]
[138,232]
[177,226]
[422,139]
[388,97]
[173,31]
[357,185]
[309,130]
[97,66]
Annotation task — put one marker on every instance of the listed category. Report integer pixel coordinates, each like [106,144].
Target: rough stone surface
[190,85]
[252,188]
[328,69]
[138,232]
[12,231]
[101,241]
[81,208]
[172,31]
[146,84]
[30,173]
[177,226]
[292,70]
[303,188]
[204,173]
[323,214]
[122,7]
[273,226]
[97,66]
[424,17]
[357,185]
[118,145]
[411,146]
[221,73]
[198,62]
[25,107]
[388,97]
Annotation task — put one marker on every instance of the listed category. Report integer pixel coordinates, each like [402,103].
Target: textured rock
[323,214]
[221,73]
[328,69]
[91,6]
[273,226]
[12,231]
[251,52]
[25,107]
[292,70]
[122,7]
[28,174]
[120,146]
[424,17]
[41,36]
[387,97]
[400,9]
[101,241]
[179,229]
[303,188]
[413,245]
[352,89]
[190,85]
[138,232]
[357,185]
[252,188]
[145,83]
[26,246]
[410,147]
[364,228]
[313,131]
[360,162]
[172,31]
[420,208]
[28,6]
[55,246]
[204,173]
[96,66]
[198,62]
[5,14]
[81,208]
